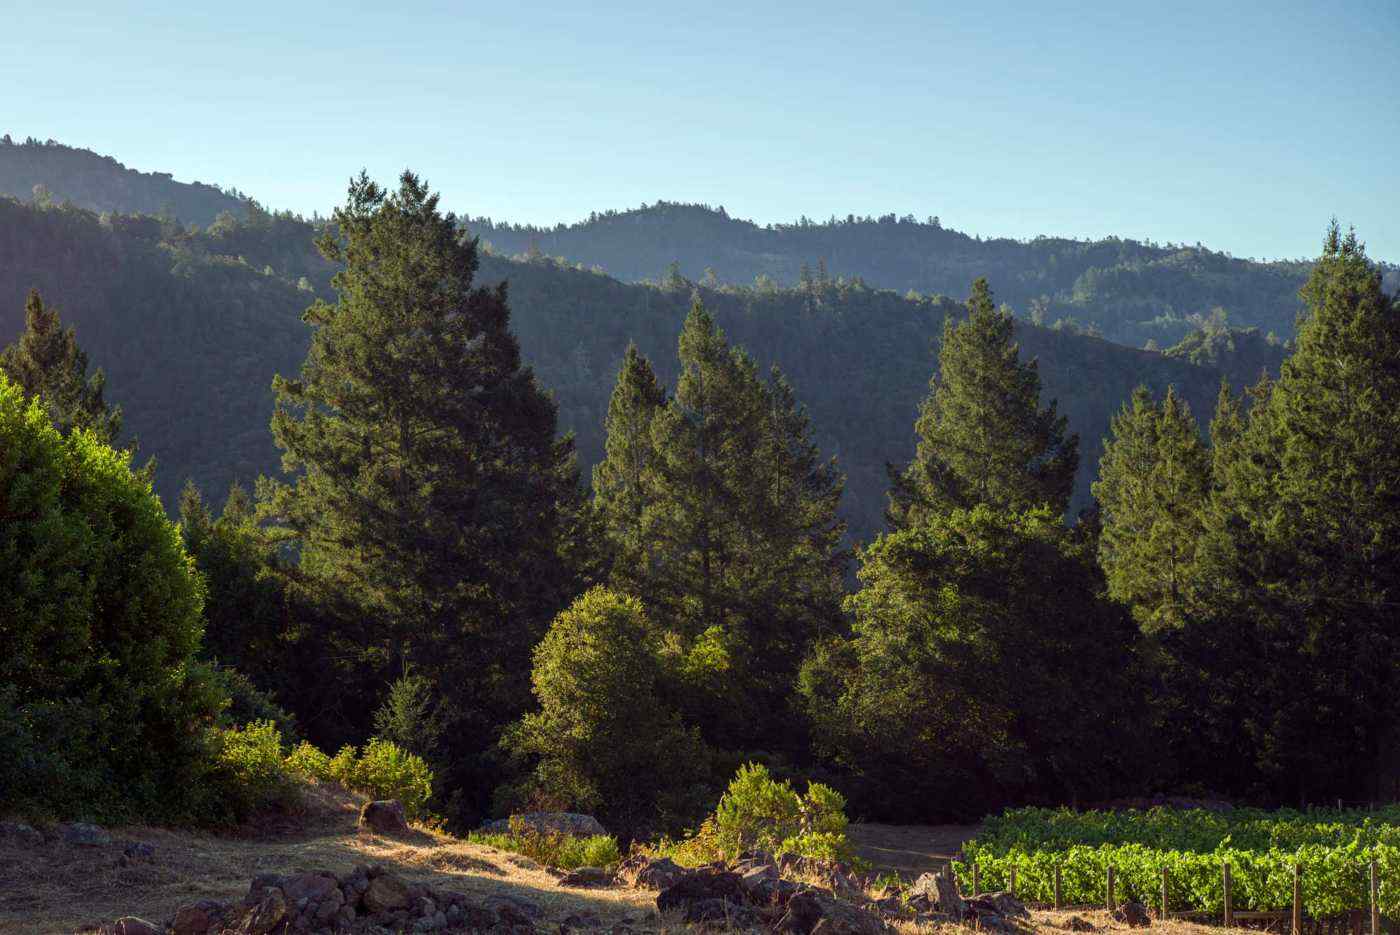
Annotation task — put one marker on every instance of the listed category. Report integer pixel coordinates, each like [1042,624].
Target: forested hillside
[100,183]
[1128,291]
[191,328]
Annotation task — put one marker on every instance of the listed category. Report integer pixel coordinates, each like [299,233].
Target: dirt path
[909,850]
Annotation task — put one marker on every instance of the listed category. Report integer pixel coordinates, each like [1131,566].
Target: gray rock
[587,876]
[386,816]
[131,925]
[646,873]
[570,823]
[938,891]
[83,834]
[1078,924]
[811,913]
[21,832]
[1132,914]
[723,913]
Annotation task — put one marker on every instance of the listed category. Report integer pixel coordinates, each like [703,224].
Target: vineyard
[1333,851]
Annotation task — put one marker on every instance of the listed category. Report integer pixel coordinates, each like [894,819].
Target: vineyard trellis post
[976,881]
[1110,901]
[1375,900]
[1012,885]
[1297,900]
[1166,875]
[1058,901]
[1229,905]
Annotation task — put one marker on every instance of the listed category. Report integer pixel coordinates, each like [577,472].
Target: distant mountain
[191,326]
[100,183]
[1127,291]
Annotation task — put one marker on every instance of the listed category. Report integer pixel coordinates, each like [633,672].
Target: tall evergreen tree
[619,489]
[739,525]
[1154,480]
[983,437]
[46,361]
[430,485]
[1305,532]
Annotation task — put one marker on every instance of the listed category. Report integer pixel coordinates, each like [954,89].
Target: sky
[1244,126]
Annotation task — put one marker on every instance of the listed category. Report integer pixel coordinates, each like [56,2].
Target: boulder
[1078,924]
[21,832]
[721,913]
[811,912]
[83,834]
[700,884]
[197,918]
[384,817]
[938,891]
[1132,914]
[512,910]
[270,912]
[385,893]
[587,876]
[330,905]
[1002,904]
[131,925]
[647,873]
[310,886]
[570,823]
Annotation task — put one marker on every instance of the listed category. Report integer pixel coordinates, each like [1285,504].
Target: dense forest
[191,325]
[426,566]
[1127,291]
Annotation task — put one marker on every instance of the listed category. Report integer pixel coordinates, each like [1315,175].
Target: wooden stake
[1013,881]
[1297,900]
[1058,903]
[1375,900]
[976,880]
[1166,875]
[1229,906]
[1111,900]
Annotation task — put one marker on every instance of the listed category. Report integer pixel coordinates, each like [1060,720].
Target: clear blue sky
[1242,125]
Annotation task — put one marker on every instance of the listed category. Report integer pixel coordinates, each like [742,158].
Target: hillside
[1131,292]
[191,328]
[100,183]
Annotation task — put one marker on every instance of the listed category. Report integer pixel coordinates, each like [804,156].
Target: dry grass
[909,850]
[59,888]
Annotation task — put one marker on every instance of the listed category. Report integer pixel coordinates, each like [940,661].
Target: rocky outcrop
[570,823]
[649,873]
[587,877]
[384,817]
[367,899]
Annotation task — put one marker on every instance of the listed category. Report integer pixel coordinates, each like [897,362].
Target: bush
[100,618]
[384,771]
[758,812]
[603,741]
[564,851]
[250,773]
[309,762]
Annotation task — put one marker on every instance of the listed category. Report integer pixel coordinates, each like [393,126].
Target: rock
[197,918]
[83,834]
[698,885]
[723,913]
[811,912]
[1132,914]
[330,905]
[646,873]
[1077,924]
[580,920]
[21,832]
[131,925]
[268,914]
[512,910]
[587,876]
[384,817]
[938,891]
[385,893]
[1002,904]
[312,887]
[570,823]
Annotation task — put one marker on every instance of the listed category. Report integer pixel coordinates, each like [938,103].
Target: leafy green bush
[564,851]
[308,761]
[250,773]
[759,812]
[100,621]
[383,771]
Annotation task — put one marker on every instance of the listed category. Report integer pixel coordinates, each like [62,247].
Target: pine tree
[741,534]
[46,361]
[431,488]
[619,479]
[1154,480]
[983,437]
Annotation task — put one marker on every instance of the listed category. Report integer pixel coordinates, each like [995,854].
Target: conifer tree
[430,486]
[983,437]
[46,361]
[1154,479]
[618,480]
[741,532]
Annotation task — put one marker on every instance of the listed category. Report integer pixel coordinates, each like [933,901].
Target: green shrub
[384,771]
[309,762]
[759,812]
[100,618]
[564,851]
[250,773]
